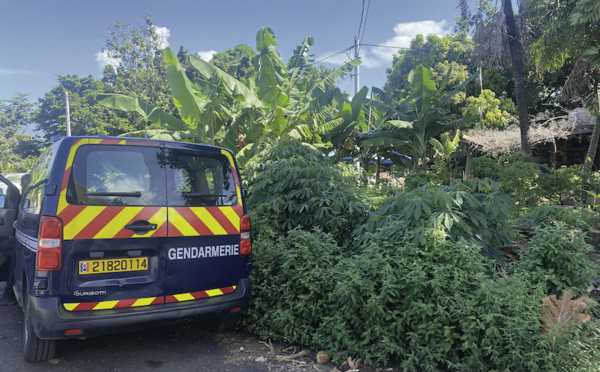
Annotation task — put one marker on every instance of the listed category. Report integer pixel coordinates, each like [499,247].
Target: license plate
[116,265]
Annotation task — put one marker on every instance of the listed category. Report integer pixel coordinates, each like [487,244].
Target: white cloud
[13,71]
[163,36]
[104,59]
[404,33]
[206,55]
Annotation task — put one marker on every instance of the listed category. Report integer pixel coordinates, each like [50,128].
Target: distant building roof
[542,130]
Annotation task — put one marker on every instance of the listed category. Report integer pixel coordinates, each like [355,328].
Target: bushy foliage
[525,182]
[398,299]
[411,285]
[474,210]
[501,331]
[528,182]
[496,113]
[418,179]
[572,183]
[556,257]
[544,215]
[290,286]
[430,304]
[291,185]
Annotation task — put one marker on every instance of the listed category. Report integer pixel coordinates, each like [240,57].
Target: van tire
[221,324]
[34,348]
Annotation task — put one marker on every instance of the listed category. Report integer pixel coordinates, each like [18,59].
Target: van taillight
[245,242]
[49,252]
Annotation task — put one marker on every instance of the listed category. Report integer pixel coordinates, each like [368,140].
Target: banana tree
[444,148]
[276,101]
[421,116]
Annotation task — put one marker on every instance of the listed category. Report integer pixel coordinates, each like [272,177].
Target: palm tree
[496,35]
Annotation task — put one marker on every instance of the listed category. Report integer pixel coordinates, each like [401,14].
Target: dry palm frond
[288,358]
[579,81]
[490,35]
[495,142]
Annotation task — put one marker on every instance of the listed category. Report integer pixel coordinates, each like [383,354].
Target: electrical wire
[374,68]
[365,23]
[333,55]
[362,12]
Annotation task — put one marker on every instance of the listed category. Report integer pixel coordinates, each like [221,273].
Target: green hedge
[429,305]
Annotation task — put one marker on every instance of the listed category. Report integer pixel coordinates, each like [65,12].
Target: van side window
[117,175]
[31,201]
[197,180]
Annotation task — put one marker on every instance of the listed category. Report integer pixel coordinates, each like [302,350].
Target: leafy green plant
[544,215]
[291,185]
[431,304]
[417,179]
[474,210]
[485,167]
[443,154]
[398,298]
[525,182]
[556,257]
[502,330]
[290,284]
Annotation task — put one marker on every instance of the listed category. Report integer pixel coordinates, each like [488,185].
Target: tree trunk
[516,55]
[591,153]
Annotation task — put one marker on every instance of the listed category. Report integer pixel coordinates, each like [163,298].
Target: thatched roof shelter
[542,130]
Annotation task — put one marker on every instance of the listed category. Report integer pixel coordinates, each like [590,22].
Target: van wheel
[34,348]
[221,324]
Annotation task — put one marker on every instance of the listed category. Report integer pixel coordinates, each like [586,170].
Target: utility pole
[356,54]
[68,114]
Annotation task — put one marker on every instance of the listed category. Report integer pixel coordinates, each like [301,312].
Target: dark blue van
[120,234]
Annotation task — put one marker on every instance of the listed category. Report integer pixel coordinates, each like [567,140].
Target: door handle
[141,227]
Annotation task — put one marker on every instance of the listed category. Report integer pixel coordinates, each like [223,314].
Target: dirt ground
[243,348]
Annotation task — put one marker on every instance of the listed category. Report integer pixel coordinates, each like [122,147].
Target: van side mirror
[50,189]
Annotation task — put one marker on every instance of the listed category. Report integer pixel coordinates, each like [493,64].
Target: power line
[366,17]
[374,68]
[362,12]
[333,55]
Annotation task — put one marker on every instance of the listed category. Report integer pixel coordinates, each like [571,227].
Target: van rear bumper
[51,320]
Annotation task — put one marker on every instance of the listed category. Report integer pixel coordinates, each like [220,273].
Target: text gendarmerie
[187,253]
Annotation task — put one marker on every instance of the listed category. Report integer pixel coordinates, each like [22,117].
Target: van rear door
[205,208]
[113,208]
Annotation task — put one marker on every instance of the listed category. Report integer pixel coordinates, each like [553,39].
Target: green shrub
[485,167]
[290,285]
[474,210]
[582,218]
[528,182]
[291,185]
[501,331]
[399,299]
[414,180]
[557,258]
[431,305]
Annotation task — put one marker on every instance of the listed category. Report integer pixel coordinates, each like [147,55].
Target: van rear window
[117,175]
[198,180]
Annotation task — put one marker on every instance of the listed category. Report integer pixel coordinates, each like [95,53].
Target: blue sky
[42,39]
